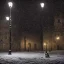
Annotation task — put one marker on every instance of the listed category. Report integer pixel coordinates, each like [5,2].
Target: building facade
[59,31]
[31,42]
[55,38]
[4,36]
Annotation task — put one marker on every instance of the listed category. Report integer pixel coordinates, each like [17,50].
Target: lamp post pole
[46,47]
[10,33]
[45,44]
[46,53]
[10,25]
[41,25]
[57,38]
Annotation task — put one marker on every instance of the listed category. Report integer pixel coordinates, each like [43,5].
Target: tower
[58,31]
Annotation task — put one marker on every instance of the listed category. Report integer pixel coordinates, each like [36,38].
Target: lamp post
[46,53]
[41,37]
[45,44]
[10,4]
[57,38]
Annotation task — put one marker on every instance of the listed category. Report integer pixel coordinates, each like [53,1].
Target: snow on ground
[30,58]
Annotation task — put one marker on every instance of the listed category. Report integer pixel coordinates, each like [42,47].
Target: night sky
[27,14]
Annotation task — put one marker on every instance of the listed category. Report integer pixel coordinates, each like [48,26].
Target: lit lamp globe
[7,18]
[44,44]
[42,5]
[58,38]
[10,4]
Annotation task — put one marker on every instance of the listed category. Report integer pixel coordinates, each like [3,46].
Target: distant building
[55,38]
[4,36]
[59,31]
[27,41]
[30,41]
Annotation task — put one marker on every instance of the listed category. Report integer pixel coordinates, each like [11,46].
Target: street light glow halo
[7,18]
[42,5]
[58,38]
[44,44]
[10,4]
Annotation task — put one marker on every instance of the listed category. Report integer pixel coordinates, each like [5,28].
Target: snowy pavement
[30,58]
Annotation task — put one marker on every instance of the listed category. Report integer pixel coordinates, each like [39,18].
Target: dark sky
[27,14]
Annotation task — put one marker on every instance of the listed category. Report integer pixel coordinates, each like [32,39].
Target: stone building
[59,31]
[55,38]
[31,41]
[27,41]
[4,36]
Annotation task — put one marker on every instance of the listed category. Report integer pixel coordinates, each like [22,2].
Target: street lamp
[7,18]
[41,37]
[42,5]
[57,38]
[45,44]
[10,4]
[46,53]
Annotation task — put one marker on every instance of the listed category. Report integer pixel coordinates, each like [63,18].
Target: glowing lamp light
[7,18]
[42,5]
[10,4]
[58,38]
[44,44]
